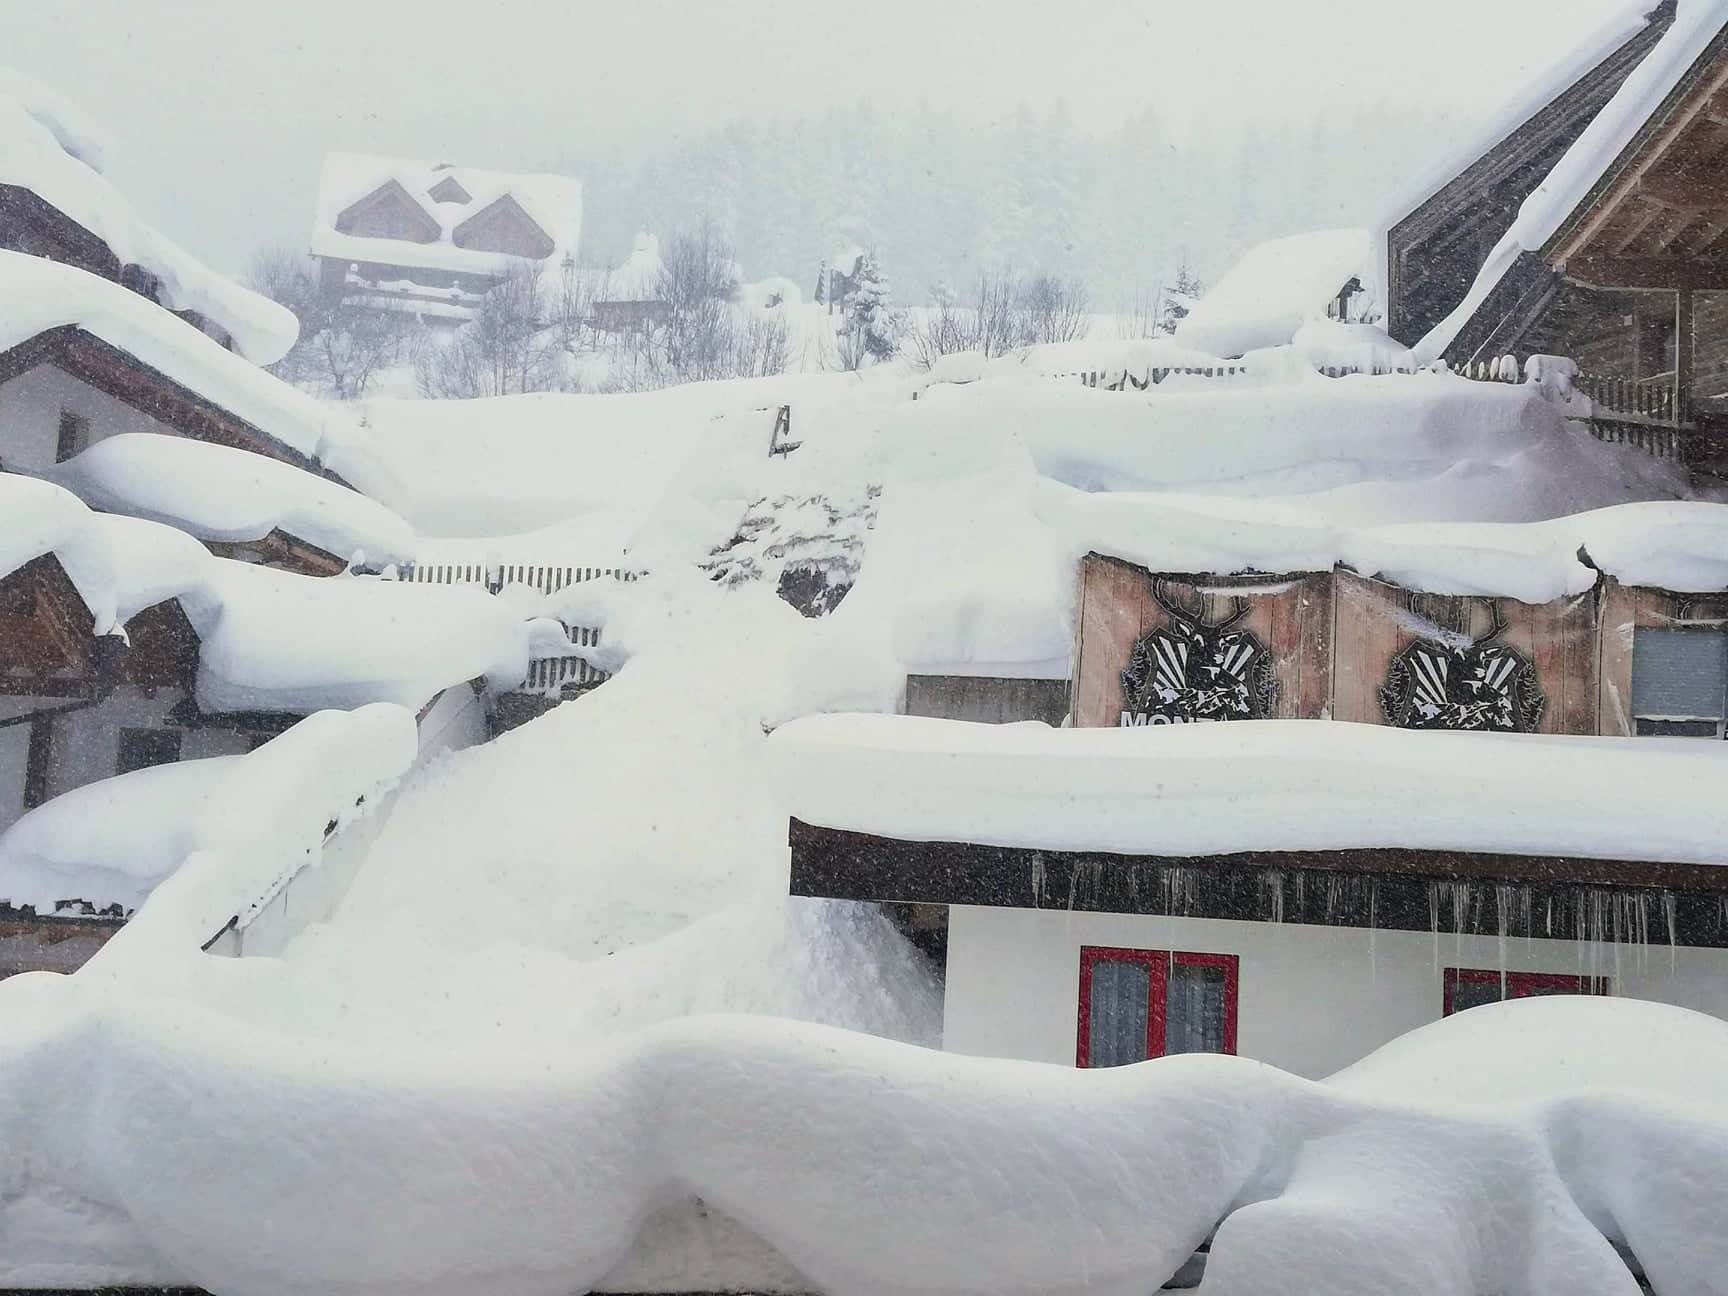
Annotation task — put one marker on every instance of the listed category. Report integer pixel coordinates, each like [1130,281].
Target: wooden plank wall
[1624,609]
[1377,621]
[1332,637]
[1292,616]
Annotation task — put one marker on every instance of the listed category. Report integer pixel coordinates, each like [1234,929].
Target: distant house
[1591,225]
[836,278]
[630,296]
[432,238]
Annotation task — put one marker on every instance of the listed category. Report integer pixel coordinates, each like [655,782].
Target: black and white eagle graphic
[1190,671]
[1479,685]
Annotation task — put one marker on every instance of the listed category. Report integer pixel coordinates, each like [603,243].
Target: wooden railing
[1124,380]
[551,676]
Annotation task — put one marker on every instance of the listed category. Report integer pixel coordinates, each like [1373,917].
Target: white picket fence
[552,676]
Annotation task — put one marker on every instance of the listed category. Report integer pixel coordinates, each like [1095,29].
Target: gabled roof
[1692,48]
[46,171]
[141,354]
[450,198]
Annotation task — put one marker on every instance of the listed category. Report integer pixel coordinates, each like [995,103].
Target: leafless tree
[1052,310]
[343,341]
[513,344]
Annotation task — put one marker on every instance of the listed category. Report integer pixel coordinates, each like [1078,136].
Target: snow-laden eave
[42,296]
[35,156]
[1698,35]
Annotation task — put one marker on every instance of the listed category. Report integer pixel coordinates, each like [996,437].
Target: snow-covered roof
[119,566]
[1675,545]
[1276,287]
[42,295]
[224,495]
[1213,789]
[44,148]
[554,203]
[637,277]
[1696,24]
[277,641]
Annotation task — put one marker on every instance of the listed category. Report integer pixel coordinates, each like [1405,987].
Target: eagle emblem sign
[1481,684]
[1188,671]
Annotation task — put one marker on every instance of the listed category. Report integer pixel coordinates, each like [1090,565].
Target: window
[74,435]
[1472,987]
[1139,1004]
[142,748]
[1679,681]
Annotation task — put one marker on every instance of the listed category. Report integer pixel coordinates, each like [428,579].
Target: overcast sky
[217,111]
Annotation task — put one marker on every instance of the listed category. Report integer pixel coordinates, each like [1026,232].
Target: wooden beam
[1654,273]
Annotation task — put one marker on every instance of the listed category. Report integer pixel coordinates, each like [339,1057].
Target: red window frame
[1158,964]
[1519,985]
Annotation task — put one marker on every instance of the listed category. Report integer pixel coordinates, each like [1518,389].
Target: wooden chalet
[1622,261]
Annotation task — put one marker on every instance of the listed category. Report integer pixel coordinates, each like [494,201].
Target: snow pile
[1275,288]
[307,1163]
[1211,789]
[1697,23]
[552,202]
[637,277]
[42,295]
[232,496]
[277,641]
[119,566]
[109,843]
[822,533]
[45,150]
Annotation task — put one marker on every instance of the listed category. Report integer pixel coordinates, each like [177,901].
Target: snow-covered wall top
[554,203]
[1209,789]
[41,295]
[44,149]
[1696,24]
[221,494]
[1267,295]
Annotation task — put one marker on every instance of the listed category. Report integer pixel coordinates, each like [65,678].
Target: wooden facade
[1332,640]
[1633,283]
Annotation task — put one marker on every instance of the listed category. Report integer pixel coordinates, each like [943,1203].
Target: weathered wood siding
[986,700]
[1290,615]
[1376,621]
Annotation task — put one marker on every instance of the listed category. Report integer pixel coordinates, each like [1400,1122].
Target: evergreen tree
[871,328]
[1179,296]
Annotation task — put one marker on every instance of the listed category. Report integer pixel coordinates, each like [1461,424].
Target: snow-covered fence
[1124,380]
[551,676]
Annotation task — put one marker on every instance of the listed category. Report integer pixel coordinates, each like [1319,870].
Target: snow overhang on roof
[1204,790]
[1276,287]
[42,296]
[1697,26]
[45,150]
[228,496]
[553,202]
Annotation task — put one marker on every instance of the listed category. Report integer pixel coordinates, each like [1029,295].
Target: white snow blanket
[47,149]
[1275,288]
[276,641]
[1212,789]
[250,1160]
[226,495]
[42,294]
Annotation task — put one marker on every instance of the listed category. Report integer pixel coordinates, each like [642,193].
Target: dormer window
[449,190]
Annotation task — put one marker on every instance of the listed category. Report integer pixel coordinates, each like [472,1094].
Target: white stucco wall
[30,408]
[1311,999]
[86,744]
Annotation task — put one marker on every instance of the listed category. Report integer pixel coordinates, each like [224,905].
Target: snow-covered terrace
[46,150]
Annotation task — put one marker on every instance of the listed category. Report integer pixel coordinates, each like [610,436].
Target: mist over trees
[943,198]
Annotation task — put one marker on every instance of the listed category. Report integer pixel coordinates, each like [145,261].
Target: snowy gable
[434,216]
[229,496]
[44,151]
[1276,287]
[42,296]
